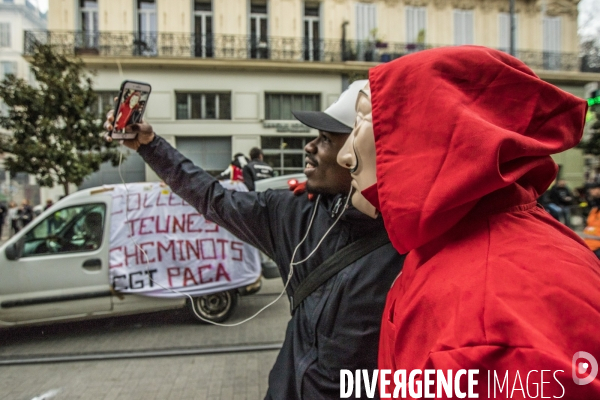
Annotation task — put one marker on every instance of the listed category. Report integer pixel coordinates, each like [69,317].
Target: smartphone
[129,108]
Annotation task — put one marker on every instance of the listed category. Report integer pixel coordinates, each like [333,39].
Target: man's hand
[145,134]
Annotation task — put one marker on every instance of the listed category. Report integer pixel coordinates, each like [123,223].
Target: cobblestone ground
[231,376]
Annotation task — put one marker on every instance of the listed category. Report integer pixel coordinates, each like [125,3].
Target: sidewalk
[232,376]
[242,376]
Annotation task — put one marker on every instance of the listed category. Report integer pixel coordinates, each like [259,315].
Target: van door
[62,271]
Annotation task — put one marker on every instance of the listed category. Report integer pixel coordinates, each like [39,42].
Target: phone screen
[130,107]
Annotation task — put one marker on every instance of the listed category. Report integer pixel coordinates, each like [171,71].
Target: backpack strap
[335,263]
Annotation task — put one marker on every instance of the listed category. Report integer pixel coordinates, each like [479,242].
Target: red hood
[460,127]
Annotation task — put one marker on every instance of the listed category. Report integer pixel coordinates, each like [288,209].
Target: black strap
[335,263]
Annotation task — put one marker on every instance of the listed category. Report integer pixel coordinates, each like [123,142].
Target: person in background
[561,200]
[591,232]
[25,213]
[3,217]
[234,171]
[256,169]
[49,204]
[13,217]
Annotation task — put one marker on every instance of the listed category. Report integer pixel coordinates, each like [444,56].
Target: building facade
[16,17]
[227,73]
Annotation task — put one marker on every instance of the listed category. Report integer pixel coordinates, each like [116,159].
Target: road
[145,374]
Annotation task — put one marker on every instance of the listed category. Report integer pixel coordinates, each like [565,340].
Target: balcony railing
[120,44]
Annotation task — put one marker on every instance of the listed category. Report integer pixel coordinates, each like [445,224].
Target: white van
[58,268]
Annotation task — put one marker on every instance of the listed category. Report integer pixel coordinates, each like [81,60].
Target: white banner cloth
[160,240]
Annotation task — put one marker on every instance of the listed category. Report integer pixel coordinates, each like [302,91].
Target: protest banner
[159,243]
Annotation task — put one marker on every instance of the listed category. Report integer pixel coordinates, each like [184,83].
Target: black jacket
[256,170]
[337,326]
[561,196]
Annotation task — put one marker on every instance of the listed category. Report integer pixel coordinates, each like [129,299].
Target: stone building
[227,73]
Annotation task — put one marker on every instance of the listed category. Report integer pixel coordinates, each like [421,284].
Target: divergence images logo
[583,367]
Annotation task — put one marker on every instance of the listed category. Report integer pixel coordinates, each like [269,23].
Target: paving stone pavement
[242,376]
[212,377]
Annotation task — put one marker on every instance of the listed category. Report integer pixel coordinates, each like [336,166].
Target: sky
[589,16]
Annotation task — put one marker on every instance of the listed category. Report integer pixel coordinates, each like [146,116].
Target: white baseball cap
[338,117]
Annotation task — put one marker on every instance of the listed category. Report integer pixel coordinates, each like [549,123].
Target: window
[279,106]
[105,102]
[416,24]
[145,43]
[8,67]
[71,229]
[366,25]
[551,43]
[203,105]
[131,169]
[203,32]
[89,23]
[259,42]
[312,44]
[5,35]
[463,27]
[212,154]
[285,153]
[504,28]
[31,76]
[366,20]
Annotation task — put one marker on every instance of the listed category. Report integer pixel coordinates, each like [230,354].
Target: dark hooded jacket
[337,326]
[256,170]
[492,282]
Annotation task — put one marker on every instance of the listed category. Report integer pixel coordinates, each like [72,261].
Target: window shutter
[504,31]
[421,20]
[458,27]
[469,27]
[551,41]
[366,20]
[416,21]
[5,35]
[463,27]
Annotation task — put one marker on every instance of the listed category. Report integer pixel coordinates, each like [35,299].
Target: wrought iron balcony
[121,44]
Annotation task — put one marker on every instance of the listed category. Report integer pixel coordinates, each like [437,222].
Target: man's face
[595,193]
[324,174]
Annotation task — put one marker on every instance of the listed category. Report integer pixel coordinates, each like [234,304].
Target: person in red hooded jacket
[127,110]
[452,146]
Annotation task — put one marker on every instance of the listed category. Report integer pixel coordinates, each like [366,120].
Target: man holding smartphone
[337,325]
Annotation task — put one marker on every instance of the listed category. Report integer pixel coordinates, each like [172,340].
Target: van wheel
[217,307]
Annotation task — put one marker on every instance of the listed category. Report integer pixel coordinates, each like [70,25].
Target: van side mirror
[14,251]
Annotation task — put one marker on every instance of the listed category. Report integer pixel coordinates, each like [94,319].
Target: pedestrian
[561,200]
[13,217]
[3,216]
[234,171]
[25,213]
[336,326]
[256,169]
[49,204]
[492,284]
[591,232]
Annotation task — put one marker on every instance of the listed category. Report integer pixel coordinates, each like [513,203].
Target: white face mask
[133,101]
[358,153]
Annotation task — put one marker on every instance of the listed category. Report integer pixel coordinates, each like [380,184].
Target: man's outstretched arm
[245,214]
